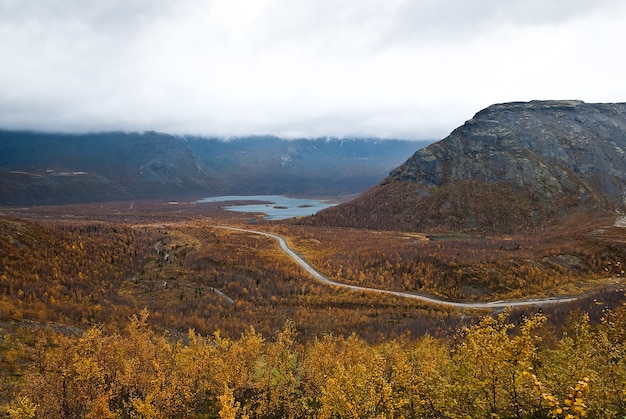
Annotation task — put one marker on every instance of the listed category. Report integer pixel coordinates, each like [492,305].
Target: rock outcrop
[512,167]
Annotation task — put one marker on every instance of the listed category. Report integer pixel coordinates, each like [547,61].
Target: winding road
[482,305]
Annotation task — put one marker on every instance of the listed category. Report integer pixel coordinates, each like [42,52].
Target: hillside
[113,311]
[320,166]
[512,167]
[46,168]
[42,168]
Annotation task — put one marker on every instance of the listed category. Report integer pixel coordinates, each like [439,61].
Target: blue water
[295,207]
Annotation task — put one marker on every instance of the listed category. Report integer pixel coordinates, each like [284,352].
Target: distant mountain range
[49,168]
[512,167]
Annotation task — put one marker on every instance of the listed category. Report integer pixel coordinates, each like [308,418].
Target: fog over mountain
[409,69]
[45,168]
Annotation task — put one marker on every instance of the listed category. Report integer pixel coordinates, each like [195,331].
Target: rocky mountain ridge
[512,167]
[48,168]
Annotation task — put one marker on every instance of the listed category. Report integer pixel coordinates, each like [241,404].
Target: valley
[483,277]
[421,297]
[175,258]
[190,310]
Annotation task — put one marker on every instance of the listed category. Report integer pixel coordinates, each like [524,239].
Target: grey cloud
[407,68]
[95,13]
[377,23]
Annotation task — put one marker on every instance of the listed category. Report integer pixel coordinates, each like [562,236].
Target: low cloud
[406,69]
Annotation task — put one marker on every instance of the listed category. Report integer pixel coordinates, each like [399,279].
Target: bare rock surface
[513,166]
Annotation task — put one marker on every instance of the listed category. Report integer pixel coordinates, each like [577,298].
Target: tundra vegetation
[154,312]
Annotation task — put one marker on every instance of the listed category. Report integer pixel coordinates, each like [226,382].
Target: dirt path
[481,305]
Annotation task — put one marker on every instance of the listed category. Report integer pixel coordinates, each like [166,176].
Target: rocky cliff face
[511,167]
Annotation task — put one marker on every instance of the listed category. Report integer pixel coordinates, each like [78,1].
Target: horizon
[184,136]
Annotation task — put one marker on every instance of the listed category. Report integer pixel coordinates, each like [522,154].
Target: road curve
[323,279]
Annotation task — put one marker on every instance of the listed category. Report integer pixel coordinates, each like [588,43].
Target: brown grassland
[148,310]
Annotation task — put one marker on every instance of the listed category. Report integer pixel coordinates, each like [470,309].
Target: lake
[279,207]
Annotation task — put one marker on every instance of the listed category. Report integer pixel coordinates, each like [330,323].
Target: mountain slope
[45,168]
[320,166]
[512,167]
[41,168]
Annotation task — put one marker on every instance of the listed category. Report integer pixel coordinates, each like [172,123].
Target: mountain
[512,167]
[42,168]
[321,166]
[50,168]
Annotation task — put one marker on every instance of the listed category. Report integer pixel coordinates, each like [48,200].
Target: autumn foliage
[189,275]
[494,368]
[163,315]
[462,267]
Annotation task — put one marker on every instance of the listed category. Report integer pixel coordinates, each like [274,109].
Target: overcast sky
[412,69]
